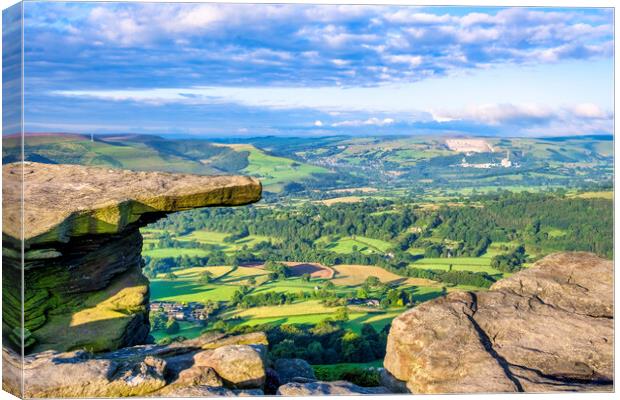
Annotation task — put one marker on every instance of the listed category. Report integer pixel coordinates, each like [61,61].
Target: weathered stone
[147,370]
[194,391]
[83,285]
[290,368]
[547,328]
[239,366]
[391,383]
[64,201]
[199,375]
[327,388]
[205,391]
[253,338]
[76,374]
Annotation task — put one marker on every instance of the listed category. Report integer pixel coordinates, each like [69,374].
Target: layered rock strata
[211,365]
[83,285]
[547,328]
[143,370]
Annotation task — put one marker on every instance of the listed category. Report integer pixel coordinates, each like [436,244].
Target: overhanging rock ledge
[84,288]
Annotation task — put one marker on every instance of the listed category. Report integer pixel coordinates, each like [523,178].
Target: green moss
[95,321]
[41,254]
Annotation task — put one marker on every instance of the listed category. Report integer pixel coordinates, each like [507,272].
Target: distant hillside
[317,165]
[154,153]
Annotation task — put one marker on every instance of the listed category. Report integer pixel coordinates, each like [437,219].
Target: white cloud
[340,62]
[318,123]
[144,23]
[412,61]
[335,36]
[409,16]
[590,111]
[496,114]
[580,118]
[374,121]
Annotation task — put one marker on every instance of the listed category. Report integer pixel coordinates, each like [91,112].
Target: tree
[293,187]
[305,278]
[510,262]
[221,326]
[361,293]
[172,326]
[342,314]
[251,281]
[285,349]
[158,320]
[329,285]
[205,277]
[315,352]
[372,281]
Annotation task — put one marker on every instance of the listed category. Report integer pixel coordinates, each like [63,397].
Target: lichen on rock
[547,328]
[83,285]
[147,370]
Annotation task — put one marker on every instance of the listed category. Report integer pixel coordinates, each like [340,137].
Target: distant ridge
[603,136]
[33,134]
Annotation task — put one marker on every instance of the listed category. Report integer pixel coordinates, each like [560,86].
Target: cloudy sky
[238,70]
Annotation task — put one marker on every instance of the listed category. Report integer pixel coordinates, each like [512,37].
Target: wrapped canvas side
[14,334]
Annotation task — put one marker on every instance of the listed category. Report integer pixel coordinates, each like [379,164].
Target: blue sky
[247,70]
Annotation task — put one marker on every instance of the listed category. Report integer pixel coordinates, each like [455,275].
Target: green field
[473,264]
[174,252]
[227,280]
[363,244]
[312,312]
[215,239]
[186,288]
[182,290]
[188,330]
[274,171]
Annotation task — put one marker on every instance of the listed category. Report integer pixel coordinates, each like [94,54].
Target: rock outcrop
[547,328]
[327,388]
[174,370]
[240,366]
[83,285]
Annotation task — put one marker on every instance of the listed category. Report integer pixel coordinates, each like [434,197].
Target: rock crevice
[547,328]
[487,343]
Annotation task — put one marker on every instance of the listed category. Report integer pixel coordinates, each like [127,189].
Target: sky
[299,70]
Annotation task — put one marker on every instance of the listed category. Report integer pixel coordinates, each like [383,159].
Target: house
[192,311]
[364,302]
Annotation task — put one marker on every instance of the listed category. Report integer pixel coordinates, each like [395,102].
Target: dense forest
[537,223]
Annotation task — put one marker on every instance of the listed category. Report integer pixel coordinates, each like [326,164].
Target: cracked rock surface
[173,370]
[83,286]
[547,328]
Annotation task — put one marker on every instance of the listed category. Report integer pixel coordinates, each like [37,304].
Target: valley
[351,232]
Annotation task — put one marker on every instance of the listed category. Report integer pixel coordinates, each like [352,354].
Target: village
[190,312]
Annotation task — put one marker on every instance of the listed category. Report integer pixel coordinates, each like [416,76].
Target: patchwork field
[608,195]
[174,252]
[274,171]
[354,275]
[362,244]
[315,270]
[214,239]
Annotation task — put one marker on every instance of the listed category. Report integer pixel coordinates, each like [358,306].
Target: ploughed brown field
[352,275]
[315,270]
